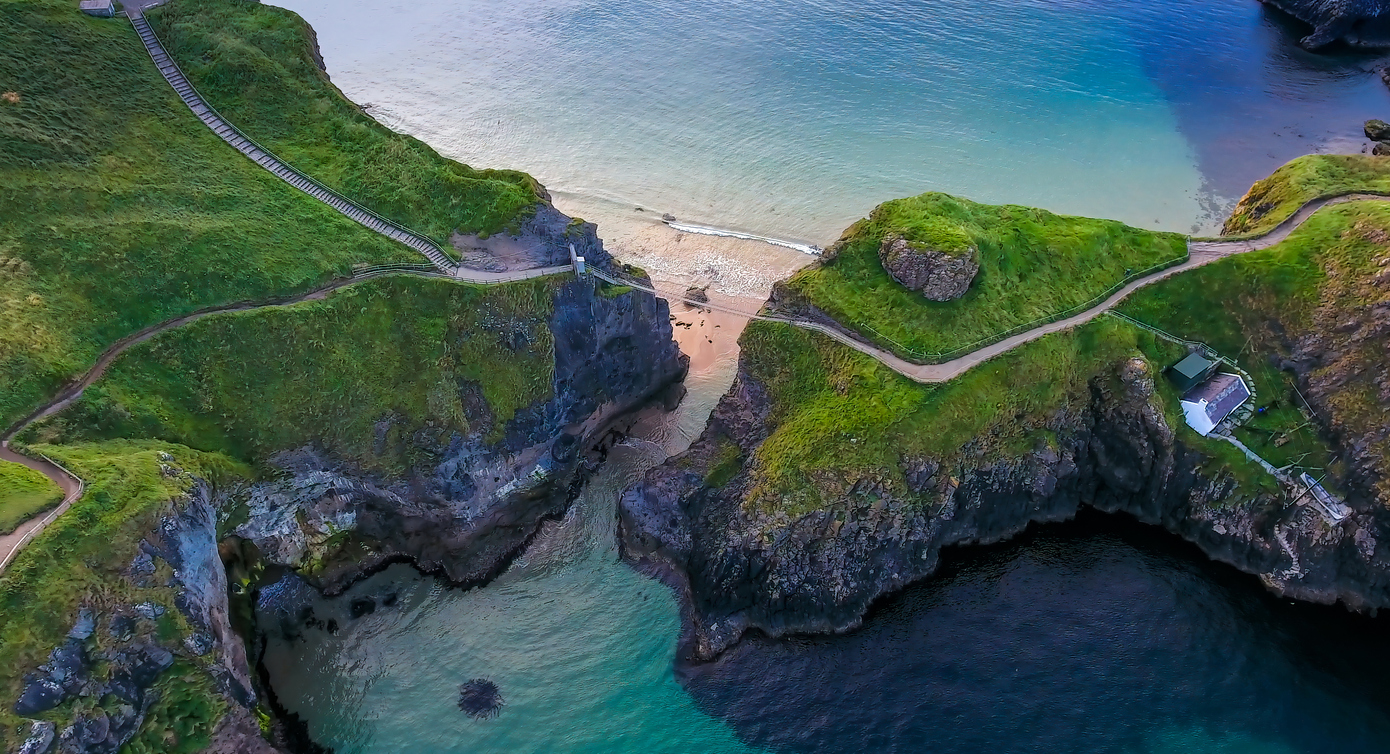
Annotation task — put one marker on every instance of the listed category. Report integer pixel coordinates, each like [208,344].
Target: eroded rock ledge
[473,502]
[1359,23]
[746,569]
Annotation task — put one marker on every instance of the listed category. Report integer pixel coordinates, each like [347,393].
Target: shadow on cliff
[1098,634]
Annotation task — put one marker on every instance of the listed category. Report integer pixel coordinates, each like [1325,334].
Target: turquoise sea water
[792,118]
[581,645]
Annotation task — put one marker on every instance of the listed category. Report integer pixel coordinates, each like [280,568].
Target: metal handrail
[50,518]
[137,20]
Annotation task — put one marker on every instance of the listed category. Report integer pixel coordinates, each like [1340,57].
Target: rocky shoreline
[742,570]
[1358,23]
[463,509]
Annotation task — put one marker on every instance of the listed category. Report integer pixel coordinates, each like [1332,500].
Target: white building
[1206,405]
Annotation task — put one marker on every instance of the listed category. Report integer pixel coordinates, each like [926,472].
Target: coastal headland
[253,389]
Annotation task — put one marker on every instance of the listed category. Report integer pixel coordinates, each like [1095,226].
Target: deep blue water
[1093,636]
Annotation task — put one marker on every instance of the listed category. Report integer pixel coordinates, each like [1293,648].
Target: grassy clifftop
[429,357]
[119,209]
[1033,264]
[23,493]
[1275,199]
[257,65]
[838,417]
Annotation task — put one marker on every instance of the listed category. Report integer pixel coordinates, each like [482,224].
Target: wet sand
[733,267]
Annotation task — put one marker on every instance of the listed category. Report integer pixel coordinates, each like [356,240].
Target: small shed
[1191,371]
[102,8]
[1206,405]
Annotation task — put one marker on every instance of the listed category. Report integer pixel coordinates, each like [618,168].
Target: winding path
[1200,252]
[72,485]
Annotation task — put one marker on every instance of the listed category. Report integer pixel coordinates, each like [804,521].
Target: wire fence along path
[71,484]
[263,157]
[1200,252]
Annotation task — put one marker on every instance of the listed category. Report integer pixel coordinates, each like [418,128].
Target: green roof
[1193,366]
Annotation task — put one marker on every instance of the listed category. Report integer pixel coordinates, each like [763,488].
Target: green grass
[80,558]
[838,417]
[1033,265]
[254,63]
[182,719]
[727,462]
[1276,198]
[23,493]
[408,350]
[119,209]
[1249,307]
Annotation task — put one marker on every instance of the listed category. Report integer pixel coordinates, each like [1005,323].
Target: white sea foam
[724,233]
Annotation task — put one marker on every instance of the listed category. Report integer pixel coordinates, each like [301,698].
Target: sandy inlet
[734,273]
[733,267]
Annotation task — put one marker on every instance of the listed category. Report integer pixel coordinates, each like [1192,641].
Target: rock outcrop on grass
[939,275]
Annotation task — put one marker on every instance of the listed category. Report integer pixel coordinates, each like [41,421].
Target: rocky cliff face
[471,502]
[745,569]
[1360,23]
[117,654]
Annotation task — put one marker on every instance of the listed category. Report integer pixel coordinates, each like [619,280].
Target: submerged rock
[480,699]
[361,606]
[938,274]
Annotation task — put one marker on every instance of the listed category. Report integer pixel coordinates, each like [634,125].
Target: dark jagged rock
[480,699]
[743,568]
[39,695]
[1377,130]
[361,606]
[937,275]
[1359,23]
[40,738]
[466,511]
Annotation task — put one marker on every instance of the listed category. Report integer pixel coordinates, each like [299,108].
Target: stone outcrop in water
[743,568]
[1360,23]
[937,275]
[480,699]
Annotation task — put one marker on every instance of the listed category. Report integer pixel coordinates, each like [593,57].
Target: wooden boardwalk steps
[265,159]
